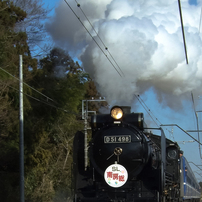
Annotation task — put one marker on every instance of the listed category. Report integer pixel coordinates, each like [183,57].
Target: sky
[145,39]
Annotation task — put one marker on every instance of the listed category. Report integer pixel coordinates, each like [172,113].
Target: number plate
[117,139]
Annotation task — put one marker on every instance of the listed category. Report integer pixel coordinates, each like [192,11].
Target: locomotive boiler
[126,162]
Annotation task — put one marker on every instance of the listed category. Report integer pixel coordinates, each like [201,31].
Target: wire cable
[78,5]
[183,34]
[93,38]
[151,114]
[146,109]
[183,131]
[41,101]
[48,98]
[149,110]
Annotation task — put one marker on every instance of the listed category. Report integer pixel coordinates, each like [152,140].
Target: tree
[33,25]
[92,93]
[11,45]
[50,121]
[49,139]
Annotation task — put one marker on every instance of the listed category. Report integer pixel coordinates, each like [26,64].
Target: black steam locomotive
[127,163]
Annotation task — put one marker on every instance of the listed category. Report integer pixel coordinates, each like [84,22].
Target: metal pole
[195,165]
[183,131]
[85,138]
[21,120]
[85,117]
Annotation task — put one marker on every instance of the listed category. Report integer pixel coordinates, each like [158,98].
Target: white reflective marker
[116,175]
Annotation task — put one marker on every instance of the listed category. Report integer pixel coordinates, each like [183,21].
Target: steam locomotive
[127,163]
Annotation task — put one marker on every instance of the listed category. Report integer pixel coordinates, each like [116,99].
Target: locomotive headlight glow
[116,113]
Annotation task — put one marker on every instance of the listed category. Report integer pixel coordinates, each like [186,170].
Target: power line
[93,38]
[149,110]
[146,109]
[151,114]
[183,131]
[48,98]
[78,5]
[41,101]
[182,26]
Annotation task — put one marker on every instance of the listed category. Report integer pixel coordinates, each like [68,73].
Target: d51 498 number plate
[117,139]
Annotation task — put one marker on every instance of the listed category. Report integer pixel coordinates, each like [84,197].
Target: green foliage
[34,25]
[13,44]
[49,122]
[92,93]
[52,125]
[10,15]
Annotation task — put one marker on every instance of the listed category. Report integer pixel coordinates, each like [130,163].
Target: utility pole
[21,129]
[196,114]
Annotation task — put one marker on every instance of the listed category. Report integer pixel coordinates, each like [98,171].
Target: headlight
[172,154]
[116,113]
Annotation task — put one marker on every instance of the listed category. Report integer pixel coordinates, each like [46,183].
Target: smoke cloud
[145,39]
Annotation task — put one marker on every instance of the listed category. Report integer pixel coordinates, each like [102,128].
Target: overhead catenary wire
[156,119]
[150,113]
[146,109]
[120,73]
[183,131]
[106,48]
[78,5]
[183,34]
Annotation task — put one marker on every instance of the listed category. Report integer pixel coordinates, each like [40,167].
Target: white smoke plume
[145,39]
